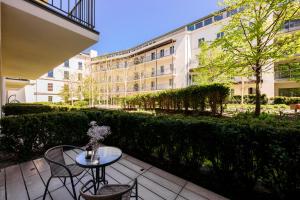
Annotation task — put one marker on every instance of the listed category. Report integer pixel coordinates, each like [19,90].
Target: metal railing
[79,11]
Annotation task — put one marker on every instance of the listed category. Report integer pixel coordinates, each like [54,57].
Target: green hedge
[27,108]
[196,98]
[286,100]
[248,99]
[231,156]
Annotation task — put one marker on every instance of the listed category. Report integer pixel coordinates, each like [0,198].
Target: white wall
[38,90]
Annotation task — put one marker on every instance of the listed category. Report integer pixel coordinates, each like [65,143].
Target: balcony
[81,12]
[289,71]
[38,35]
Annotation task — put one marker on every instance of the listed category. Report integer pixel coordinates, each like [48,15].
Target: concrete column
[3,90]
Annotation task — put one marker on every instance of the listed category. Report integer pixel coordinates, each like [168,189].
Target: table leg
[98,178]
[105,182]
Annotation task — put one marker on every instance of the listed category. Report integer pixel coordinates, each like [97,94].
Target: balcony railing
[81,12]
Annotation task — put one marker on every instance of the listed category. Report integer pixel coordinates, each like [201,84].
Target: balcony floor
[27,181]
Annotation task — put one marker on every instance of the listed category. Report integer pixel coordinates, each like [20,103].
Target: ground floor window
[50,98]
[289,92]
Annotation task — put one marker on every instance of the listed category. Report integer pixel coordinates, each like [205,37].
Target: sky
[126,23]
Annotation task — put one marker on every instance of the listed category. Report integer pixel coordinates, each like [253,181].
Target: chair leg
[136,191]
[65,181]
[46,189]
[73,187]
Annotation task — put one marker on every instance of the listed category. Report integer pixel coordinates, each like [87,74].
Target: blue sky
[125,23]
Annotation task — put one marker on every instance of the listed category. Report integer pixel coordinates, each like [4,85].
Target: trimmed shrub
[286,100]
[231,156]
[248,99]
[34,133]
[24,108]
[196,98]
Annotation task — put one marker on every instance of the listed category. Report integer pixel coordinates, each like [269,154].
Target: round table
[104,156]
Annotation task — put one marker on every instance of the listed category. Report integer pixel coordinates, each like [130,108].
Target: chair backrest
[55,154]
[119,192]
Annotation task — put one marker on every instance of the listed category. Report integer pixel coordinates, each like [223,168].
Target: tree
[214,66]
[254,39]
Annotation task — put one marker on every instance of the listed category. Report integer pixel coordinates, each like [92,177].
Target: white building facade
[167,62]
[48,87]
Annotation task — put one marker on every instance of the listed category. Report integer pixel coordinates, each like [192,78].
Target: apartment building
[37,35]
[167,62]
[49,87]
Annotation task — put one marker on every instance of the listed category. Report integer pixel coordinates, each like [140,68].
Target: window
[292,24]
[250,90]
[136,87]
[118,88]
[220,35]
[200,41]
[50,98]
[50,87]
[172,50]
[79,76]
[80,65]
[67,64]
[79,88]
[171,82]
[153,72]
[66,75]
[289,92]
[162,53]
[171,67]
[152,85]
[153,56]
[191,27]
[50,74]
[218,17]
[199,25]
[208,21]
[232,12]
[162,69]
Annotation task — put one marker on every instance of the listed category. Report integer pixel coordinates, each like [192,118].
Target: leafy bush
[232,156]
[286,100]
[81,103]
[26,108]
[248,99]
[196,98]
[33,133]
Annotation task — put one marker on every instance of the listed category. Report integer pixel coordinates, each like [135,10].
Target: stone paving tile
[146,194]
[41,165]
[15,187]
[140,163]
[2,184]
[54,183]
[168,176]
[157,189]
[133,166]
[126,171]
[203,192]
[191,195]
[117,175]
[61,194]
[163,182]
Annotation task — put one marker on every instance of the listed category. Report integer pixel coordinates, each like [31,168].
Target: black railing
[79,11]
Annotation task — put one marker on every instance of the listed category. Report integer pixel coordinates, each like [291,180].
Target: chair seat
[61,172]
[107,190]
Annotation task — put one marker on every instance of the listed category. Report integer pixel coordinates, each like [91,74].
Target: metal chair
[110,191]
[59,168]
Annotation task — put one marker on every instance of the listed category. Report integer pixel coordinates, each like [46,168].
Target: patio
[27,181]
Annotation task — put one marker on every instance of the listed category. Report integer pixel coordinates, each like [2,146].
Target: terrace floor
[27,180]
